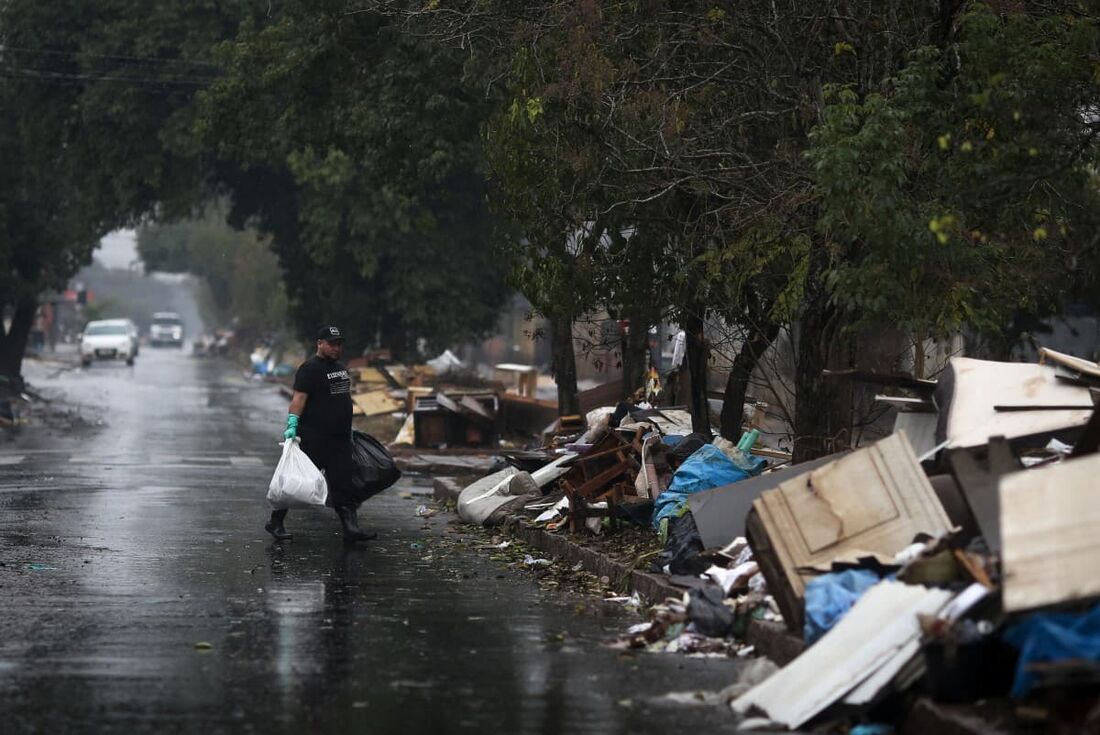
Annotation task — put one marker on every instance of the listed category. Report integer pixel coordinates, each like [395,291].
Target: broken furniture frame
[604,474]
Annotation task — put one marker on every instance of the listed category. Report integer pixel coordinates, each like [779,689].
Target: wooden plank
[375,403]
[372,376]
[1050,534]
[1076,364]
[446,403]
[469,403]
[874,499]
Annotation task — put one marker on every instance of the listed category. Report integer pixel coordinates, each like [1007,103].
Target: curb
[944,719]
[770,639]
[432,464]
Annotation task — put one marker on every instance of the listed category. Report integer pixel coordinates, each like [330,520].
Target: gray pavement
[136,535]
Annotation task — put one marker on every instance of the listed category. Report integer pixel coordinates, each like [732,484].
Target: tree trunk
[13,342]
[814,424]
[697,359]
[635,352]
[758,341]
[564,363]
[395,339]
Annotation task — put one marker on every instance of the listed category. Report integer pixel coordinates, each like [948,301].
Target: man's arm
[297,405]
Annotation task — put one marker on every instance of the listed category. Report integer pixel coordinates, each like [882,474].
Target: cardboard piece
[876,499]
[1049,539]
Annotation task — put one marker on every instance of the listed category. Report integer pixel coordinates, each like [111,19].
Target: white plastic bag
[297,483]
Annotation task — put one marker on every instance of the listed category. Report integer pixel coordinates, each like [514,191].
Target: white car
[108,339]
[166,329]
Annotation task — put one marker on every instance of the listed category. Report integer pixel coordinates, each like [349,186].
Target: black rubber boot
[352,532]
[275,526]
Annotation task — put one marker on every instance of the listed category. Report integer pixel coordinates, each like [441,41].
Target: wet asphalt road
[125,542]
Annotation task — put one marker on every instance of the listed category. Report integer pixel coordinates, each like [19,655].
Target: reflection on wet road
[126,544]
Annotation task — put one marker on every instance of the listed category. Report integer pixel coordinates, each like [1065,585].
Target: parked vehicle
[166,329]
[108,339]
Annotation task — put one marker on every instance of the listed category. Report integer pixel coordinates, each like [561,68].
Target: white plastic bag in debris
[297,483]
[489,500]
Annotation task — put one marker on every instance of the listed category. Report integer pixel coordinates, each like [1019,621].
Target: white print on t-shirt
[339,382]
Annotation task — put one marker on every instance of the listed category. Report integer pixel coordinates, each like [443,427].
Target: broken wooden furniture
[519,379]
[873,501]
[604,474]
[468,420]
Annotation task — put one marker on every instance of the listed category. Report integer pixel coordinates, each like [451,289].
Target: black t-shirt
[328,385]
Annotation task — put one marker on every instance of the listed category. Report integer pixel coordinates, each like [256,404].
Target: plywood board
[919,428]
[875,499]
[1050,534]
[720,513]
[980,385]
[878,631]
[375,403]
[372,376]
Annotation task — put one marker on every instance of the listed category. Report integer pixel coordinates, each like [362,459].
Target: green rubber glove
[291,427]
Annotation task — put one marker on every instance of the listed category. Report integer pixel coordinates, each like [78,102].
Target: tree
[370,141]
[94,135]
[982,153]
[43,241]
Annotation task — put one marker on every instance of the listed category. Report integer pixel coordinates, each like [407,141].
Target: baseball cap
[330,334]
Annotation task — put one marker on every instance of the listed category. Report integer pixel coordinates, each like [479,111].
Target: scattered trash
[204,646]
[708,612]
[634,600]
[424,511]
[41,567]
[829,596]
[530,561]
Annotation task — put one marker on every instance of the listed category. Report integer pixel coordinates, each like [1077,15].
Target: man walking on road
[320,416]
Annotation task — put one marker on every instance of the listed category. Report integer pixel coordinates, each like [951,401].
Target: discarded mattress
[489,500]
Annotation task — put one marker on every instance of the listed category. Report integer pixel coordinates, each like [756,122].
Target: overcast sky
[117,250]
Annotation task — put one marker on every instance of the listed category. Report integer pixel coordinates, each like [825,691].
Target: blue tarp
[830,596]
[707,468]
[1053,637]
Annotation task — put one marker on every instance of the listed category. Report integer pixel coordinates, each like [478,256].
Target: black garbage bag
[682,550]
[688,446]
[711,617]
[373,468]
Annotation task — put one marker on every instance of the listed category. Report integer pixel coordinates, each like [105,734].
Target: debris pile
[952,561]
